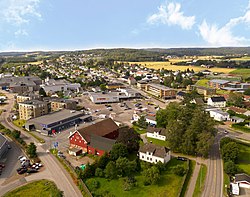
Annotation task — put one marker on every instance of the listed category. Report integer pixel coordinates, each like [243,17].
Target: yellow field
[35,63]
[168,66]
[245,58]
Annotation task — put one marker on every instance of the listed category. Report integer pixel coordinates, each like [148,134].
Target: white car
[22,159]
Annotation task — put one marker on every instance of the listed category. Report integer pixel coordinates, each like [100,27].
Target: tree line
[189,129]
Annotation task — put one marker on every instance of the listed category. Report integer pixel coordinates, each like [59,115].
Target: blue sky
[84,24]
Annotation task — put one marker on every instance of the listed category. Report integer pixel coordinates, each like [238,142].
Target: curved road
[53,169]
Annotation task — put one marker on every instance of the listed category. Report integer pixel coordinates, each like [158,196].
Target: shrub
[230,168]
[179,170]
[99,172]
[92,184]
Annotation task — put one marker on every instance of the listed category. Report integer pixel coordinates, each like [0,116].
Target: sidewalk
[192,182]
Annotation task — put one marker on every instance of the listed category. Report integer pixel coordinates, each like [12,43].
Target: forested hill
[125,54]
[223,51]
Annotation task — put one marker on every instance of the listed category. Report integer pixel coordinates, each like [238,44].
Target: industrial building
[57,121]
[160,91]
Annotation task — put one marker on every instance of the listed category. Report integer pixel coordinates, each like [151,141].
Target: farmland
[169,66]
[245,73]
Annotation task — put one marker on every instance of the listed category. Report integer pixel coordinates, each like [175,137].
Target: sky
[27,25]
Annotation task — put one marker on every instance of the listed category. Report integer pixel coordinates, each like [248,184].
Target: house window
[156,160]
[142,157]
[147,158]
[150,159]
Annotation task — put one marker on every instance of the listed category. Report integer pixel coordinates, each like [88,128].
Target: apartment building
[160,91]
[58,104]
[27,96]
[32,108]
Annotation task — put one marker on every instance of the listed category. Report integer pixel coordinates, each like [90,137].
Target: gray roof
[158,130]
[242,177]
[159,86]
[33,102]
[101,143]
[237,118]
[56,116]
[219,81]
[158,151]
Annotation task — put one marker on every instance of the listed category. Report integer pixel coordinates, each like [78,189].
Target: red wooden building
[95,139]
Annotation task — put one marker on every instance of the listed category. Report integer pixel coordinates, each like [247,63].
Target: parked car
[22,171]
[182,158]
[32,171]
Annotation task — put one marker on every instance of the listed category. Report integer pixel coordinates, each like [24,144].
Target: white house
[219,115]
[157,133]
[153,153]
[243,180]
[236,119]
[235,188]
[218,101]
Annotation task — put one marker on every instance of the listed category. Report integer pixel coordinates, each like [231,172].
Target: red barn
[95,139]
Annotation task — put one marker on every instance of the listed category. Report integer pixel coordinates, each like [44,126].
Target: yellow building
[114,86]
[58,104]
[32,109]
[160,91]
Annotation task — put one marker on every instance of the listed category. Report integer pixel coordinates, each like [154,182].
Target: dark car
[32,171]
[182,158]
[21,170]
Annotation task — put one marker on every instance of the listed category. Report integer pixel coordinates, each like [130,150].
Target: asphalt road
[214,179]
[53,169]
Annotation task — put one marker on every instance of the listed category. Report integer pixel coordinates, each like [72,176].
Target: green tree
[121,165]
[111,170]
[103,161]
[118,150]
[142,122]
[31,150]
[103,87]
[235,99]
[130,138]
[230,168]
[92,184]
[151,175]
[99,172]
[16,134]
[230,152]
[42,92]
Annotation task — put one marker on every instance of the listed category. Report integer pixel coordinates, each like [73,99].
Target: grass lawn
[203,82]
[157,142]
[169,185]
[139,129]
[244,158]
[37,188]
[241,71]
[226,182]
[199,185]
[20,123]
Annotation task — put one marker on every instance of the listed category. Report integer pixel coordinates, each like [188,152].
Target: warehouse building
[57,121]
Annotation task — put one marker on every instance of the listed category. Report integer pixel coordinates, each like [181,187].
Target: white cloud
[21,32]
[18,12]
[171,14]
[223,36]
[219,36]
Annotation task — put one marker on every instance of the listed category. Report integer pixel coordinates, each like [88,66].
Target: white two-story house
[157,133]
[218,101]
[153,153]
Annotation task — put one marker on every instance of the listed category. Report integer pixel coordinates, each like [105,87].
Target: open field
[245,73]
[169,185]
[168,66]
[245,58]
[35,63]
[157,142]
[37,188]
